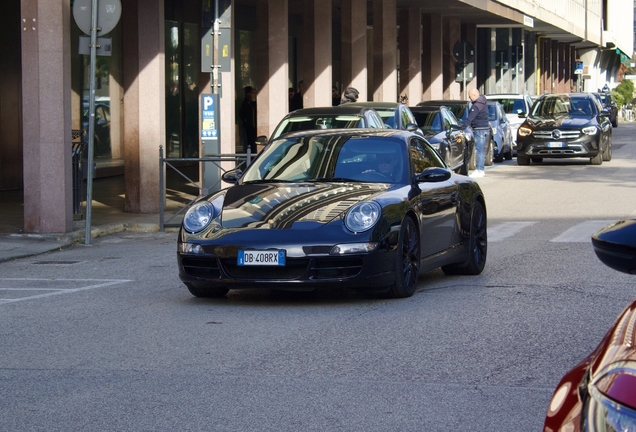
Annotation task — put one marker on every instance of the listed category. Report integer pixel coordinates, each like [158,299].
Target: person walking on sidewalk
[478,120]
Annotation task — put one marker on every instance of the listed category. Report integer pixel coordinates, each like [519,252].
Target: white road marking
[507,229]
[40,285]
[581,233]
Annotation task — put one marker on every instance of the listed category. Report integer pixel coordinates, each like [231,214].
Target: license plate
[557,144]
[261,258]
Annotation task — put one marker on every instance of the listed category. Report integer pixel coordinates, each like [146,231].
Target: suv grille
[557,134]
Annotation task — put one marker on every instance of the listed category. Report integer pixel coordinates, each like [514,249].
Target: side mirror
[521,114]
[232,176]
[412,127]
[615,245]
[261,140]
[432,175]
[605,112]
[456,127]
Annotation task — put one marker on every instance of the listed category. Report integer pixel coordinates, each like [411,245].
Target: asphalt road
[105,337]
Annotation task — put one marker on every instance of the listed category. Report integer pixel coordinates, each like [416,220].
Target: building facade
[149,89]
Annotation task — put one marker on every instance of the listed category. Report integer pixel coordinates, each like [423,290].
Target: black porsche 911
[363,208]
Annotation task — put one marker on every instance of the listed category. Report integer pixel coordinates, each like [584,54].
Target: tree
[624,92]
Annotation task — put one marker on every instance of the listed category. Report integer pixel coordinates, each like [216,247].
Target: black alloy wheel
[208,292]
[407,261]
[477,245]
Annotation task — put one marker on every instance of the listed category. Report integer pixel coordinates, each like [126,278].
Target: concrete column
[432,58]
[410,40]
[452,35]
[554,69]
[271,59]
[354,46]
[46,108]
[144,102]
[316,58]
[384,50]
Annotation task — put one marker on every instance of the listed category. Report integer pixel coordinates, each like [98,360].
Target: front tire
[477,245]
[607,154]
[523,160]
[407,261]
[489,159]
[598,159]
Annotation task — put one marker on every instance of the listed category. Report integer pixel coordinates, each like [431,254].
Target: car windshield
[512,105]
[563,105]
[460,111]
[331,158]
[429,121]
[291,124]
[388,117]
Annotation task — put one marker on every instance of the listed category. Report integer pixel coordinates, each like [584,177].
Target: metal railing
[240,160]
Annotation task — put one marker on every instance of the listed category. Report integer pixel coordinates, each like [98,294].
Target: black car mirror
[261,140]
[456,127]
[433,175]
[232,176]
[605,112]
[412,127]
[521,114]
[615,245]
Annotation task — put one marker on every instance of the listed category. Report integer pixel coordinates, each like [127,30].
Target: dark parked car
[513,104]
[460,109]
[599,394]
[394,114]
[101,145]
[501,133]
[370,209]
[568,125]
[338,117]
[607,101]
[445,134]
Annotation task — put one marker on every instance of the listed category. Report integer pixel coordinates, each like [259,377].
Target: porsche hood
[298,205]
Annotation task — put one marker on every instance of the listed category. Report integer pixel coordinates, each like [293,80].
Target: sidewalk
[107,217]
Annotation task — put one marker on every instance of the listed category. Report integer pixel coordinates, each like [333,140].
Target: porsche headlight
[362,216]
[524,131]
[199,216]
[589,130]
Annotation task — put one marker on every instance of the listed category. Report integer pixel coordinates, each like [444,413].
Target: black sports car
[364,208]
[570,125]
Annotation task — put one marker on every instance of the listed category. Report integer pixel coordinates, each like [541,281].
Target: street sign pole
[91,124]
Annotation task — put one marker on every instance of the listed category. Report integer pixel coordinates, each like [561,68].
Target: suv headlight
[589,130]
[524,131]
[362,216]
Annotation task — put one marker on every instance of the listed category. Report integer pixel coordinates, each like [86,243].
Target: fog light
[352,248]
[190,248]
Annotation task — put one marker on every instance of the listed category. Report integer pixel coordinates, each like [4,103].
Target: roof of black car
[375,104]
[330,110]
[427,108]
[440,102]
[348,132]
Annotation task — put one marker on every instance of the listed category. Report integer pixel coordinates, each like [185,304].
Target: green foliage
[624,92]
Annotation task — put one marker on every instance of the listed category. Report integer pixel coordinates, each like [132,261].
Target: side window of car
[374,120]
[423,156]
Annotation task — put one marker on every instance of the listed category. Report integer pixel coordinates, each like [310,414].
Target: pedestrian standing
[478,120]
[247,114]
[350,95]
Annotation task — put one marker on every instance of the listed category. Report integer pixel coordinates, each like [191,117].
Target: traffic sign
[108,14]
[464,51]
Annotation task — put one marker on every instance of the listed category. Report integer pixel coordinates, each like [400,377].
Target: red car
[599,394]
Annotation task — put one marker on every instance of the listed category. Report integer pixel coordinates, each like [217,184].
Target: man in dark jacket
[247,114]
[478,120]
